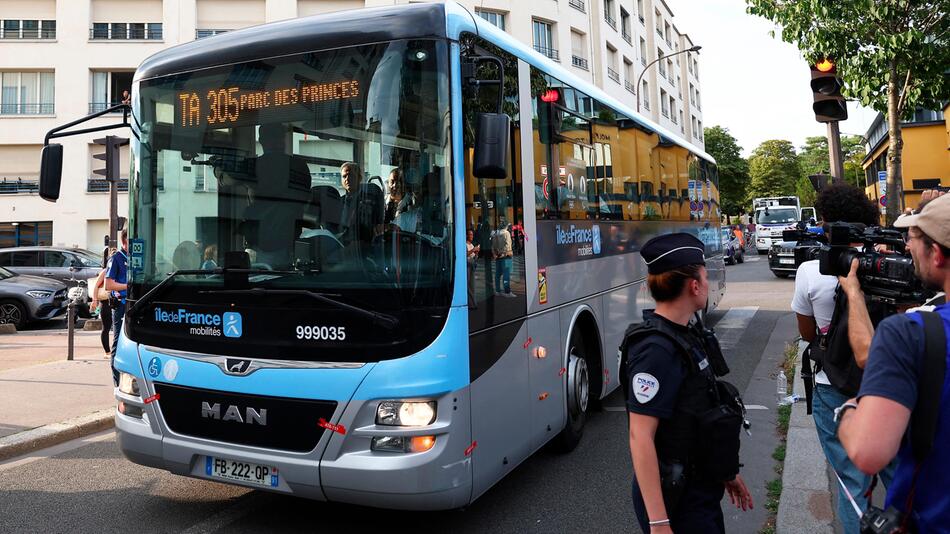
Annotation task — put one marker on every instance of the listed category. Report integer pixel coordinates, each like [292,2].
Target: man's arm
[872,434]
[807,327]
[860,329]
[112,285]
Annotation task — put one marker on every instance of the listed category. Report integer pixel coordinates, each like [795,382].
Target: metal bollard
[71,328]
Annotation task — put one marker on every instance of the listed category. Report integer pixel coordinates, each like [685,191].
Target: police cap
[669,251]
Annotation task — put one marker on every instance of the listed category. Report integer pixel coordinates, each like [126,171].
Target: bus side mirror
[492,146]
[51,171]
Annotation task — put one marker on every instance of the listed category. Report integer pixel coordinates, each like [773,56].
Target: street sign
[882,187]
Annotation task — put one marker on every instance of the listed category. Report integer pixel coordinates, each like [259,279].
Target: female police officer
[683,423]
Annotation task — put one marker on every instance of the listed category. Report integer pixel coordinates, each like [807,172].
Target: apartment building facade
[63,59]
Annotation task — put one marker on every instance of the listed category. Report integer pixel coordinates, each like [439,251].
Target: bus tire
[578,394]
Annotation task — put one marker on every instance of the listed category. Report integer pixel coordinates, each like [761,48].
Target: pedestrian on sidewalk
[117,283]
[684,457]
[814,305]
[902,380]
[100,300]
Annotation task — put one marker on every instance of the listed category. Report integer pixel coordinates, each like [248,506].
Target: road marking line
[755,407]
[615,408]
[67,446]
[752,259]
[730,328]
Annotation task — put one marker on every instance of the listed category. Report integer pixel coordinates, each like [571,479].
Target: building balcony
[643,61]
[641,19]
[646,104]
[662,72]
[201,34]
[626,36]
[96,107]
[14,186]
[613,75]
[578,5]
[28,109]
[665,113]
[673,118]
[669,43]
[579,62]
[129,32]
[28,33]
[551,53]
[659,32]
[671,79]
[101,185]
[629,87]
[612,22]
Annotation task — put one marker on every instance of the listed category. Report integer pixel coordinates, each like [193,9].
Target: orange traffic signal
[825,65]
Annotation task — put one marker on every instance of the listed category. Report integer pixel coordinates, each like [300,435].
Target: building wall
[925,156]
[608,55]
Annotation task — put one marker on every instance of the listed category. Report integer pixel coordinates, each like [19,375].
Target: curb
[806,505]
[55,433]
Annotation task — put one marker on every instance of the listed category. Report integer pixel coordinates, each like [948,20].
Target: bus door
[494,221]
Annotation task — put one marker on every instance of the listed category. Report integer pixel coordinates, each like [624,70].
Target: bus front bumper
[343,467]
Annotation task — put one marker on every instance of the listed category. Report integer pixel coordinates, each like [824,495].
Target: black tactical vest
[703,433]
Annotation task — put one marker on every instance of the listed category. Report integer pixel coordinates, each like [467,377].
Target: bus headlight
[398,413]
[128,384]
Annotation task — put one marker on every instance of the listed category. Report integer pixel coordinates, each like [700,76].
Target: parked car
[67,265]
[732,250]
[25,298]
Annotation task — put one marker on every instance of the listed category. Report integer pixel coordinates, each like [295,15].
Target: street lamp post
[650,64]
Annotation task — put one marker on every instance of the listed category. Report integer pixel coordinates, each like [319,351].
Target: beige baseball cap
[933,220]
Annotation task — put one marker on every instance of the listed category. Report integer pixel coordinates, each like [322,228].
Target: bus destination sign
[223,107]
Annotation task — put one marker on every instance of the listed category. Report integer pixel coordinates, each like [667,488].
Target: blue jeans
[503,271]
[118,313]
[827,398]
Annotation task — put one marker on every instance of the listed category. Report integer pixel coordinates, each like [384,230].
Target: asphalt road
[87,486]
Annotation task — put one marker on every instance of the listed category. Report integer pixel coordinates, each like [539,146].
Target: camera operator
[814,305]
[899,373]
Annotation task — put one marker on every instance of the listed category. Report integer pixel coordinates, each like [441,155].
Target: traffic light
[110,156]
[826,87]
[549,116]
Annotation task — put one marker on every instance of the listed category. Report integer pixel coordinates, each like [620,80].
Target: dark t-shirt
[118,271]
[893,371]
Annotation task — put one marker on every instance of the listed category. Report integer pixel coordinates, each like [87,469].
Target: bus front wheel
[578,394]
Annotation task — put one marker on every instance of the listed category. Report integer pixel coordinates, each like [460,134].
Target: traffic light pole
[834,153]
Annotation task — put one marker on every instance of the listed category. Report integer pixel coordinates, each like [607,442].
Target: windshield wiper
[382,319]
[151,294]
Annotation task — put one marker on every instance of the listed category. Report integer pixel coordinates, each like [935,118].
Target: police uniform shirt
[656,370]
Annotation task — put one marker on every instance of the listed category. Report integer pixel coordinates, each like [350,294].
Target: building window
[121,31]
[28,29]
[496,19]
[612,64]
[628,76]
[700,130]
[578,5]
[664,106]
[578,50]
[682,125]
[640,9]
[26,234]
[107,88]
[201,34]
[645,95]
[643,51]
[27,93]
[672,107]
[543,35]
[625,25]
[669,69]
[661,65]
[659,22]
[609,13]
[666,33]
[689,64]
[696,68]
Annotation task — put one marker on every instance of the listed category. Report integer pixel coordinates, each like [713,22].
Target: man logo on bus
[232,324]
[596,239]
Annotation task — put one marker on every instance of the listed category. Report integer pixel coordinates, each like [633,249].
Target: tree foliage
[814,158]
[893,56]
[774,169]
[733,168]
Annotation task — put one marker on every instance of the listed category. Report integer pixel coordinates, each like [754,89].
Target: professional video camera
[887,277]
[807,241]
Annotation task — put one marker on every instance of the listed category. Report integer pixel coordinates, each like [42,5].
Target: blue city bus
[407,334]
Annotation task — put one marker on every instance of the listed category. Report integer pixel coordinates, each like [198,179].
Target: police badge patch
[645,386]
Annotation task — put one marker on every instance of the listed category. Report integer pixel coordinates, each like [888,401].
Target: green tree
[814,158]
[733,168]
[774,169]
[892,55]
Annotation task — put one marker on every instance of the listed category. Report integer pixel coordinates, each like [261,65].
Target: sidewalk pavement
[45,399]
[807,502]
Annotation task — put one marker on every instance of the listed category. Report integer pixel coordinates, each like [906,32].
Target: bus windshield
[778,216]
[329,168]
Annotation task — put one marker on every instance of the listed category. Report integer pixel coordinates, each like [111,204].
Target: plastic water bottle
[781,389]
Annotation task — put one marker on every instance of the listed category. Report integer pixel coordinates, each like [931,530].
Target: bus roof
[297,36]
